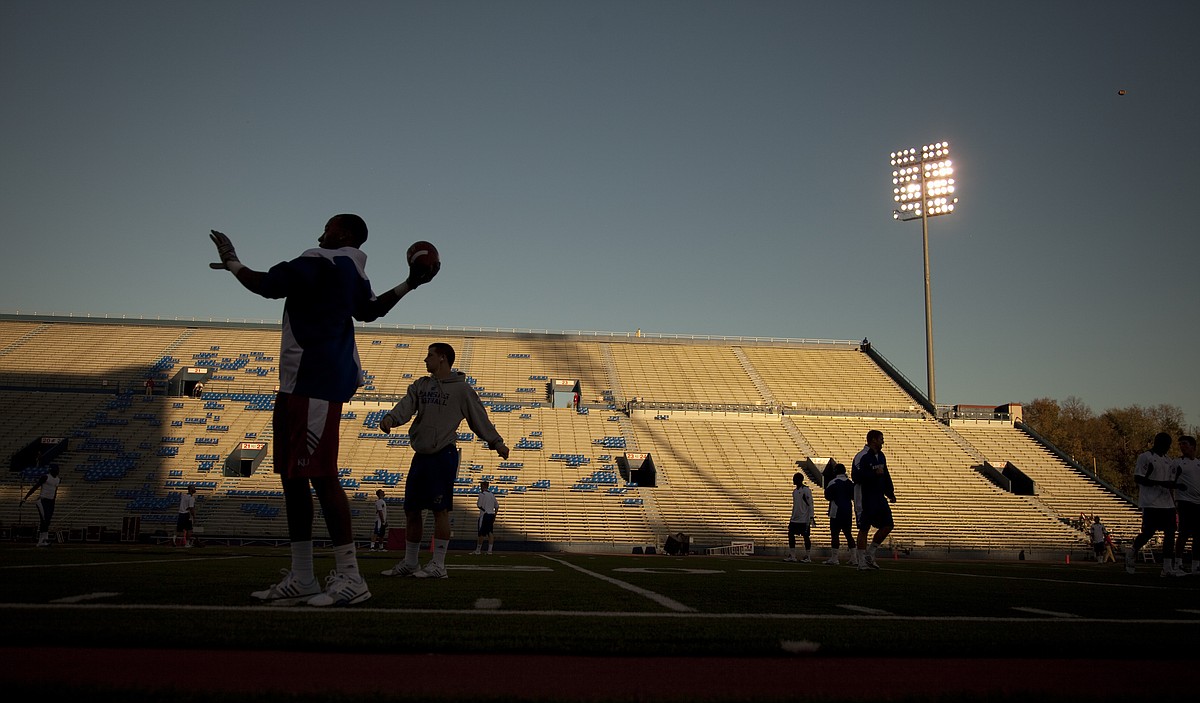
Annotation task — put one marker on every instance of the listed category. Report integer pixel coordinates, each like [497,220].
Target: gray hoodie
[440,407]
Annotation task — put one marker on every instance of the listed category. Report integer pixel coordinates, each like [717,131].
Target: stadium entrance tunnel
[819,469]
[183,383]
[563,392]
[1010,479]
[39,452]
[244,460]
[638,469]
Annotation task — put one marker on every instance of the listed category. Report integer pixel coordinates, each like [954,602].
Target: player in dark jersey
[325,290]
[870,474]
[840,494]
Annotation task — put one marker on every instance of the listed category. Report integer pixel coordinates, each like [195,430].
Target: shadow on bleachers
[725,421]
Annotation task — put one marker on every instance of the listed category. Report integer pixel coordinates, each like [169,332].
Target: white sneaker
[863,566]
[341,589]
[401,569]
[789,559]
[871,563]
[806,560]
[432,571]
[288,589]
[476,552]
[832,561]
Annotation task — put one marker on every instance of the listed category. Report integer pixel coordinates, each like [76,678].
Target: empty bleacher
[1069,491]
[725,420]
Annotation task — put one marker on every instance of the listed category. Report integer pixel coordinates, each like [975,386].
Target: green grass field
[111,596]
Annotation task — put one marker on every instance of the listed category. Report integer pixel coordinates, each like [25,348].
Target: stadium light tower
[923,187]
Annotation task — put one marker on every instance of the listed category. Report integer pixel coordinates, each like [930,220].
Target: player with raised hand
[325,290]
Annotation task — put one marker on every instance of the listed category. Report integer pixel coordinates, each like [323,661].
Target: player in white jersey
[379,532]
[1155,481]
[802,517]
[1187,495]
[488,507]
[185,520]
[47,483]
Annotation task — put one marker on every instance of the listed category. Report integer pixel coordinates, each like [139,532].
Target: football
[423,254]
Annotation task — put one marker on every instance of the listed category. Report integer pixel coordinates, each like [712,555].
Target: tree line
[1110,442]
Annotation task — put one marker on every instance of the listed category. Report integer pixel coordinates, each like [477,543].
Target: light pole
[923,187]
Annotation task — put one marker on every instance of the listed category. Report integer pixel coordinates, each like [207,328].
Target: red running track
[466,676]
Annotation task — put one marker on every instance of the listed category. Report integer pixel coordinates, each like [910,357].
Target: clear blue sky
[678,167]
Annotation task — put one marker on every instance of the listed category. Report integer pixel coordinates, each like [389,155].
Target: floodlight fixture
[923,187]
[923,182]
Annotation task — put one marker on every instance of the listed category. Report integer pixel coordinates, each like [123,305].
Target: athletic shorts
[1158,520]
[799,528]
[841,523]
[1099,547]
[486,522]
[877,516]
[430,482]
[1189,517]
[380,529]
[306,436]
[183,523]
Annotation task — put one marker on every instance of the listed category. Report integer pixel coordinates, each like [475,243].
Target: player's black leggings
[45,508]
[838,528]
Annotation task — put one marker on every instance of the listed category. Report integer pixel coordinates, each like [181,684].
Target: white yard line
[656,597]
[122,563]
[863,609]
[1048,613]
[83,597]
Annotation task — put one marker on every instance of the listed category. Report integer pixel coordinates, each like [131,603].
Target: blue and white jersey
[875,488]
[326,291]
[857,488]
[840,494]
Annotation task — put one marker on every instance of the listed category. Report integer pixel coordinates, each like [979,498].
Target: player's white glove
[418,275]
[229,258]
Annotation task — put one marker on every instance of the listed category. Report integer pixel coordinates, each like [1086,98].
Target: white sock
[439,551]
[345,560]
[302,561]
[792,552]
[412,553]
[871,550]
